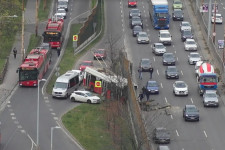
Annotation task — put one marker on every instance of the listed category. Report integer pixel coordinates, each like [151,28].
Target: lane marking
[144,11]
[154,59]
[173,46]
[182,72]
[205,134]
[53,114]
[12,114]
[177,133]
[50,109]
[13,118]
[19,126]
[8,105]
[171,116]
[223,7]
[166,100]
[16,122]
[161,86]
[175,52]
[55,118]
[157,71]
[177,58]
[192,101]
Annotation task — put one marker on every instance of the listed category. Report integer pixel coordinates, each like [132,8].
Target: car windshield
[191,109]
[195,55]
[180,85]
[152,84]
[135,11]
[177,2]
[62,3]
[178,12]
[165,35]
[138,28]
[172,70]
[145,62]
[142,35]
[61,11]
[86,64]
[60,85]
[185,24]
[190,42]
[168,56]
[89,94]
[136,19]
[99,52]
[210,95]
[159,46]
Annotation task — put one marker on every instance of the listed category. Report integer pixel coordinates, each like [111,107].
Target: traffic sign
[98,84]
[75,37]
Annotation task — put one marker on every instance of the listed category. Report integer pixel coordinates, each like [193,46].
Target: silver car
[142,37]
[193,58]
[190,45]
[180,88]
[185,26]
[210,98]
[158,49]
[61,12]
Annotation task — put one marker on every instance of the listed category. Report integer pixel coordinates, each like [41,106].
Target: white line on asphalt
[16,122]
[124,31]
[144,11]
[147,29]
[50,109]
[12,114]
[19,126]
[182,72]
[175,52]
[157,71]
[121,12]
[161,86]
[171,116]
[182,148]
[146,20]
[173,45]
[192,101]
[205,133]
[146,25]
[143,6]
[177,58]
[154,58]
[13,118]
[9,102]
[8,105]
[145,17]
[166,100]
[120,3]
[177,133]
[223,7]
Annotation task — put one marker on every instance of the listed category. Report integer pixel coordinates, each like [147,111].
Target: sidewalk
[11,77]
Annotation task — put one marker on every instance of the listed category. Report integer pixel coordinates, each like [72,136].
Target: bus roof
[159,2]
[67,76]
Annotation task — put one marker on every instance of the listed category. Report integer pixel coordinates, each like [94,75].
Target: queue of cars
[62,8]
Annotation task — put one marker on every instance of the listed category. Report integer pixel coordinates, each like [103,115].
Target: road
[19,117]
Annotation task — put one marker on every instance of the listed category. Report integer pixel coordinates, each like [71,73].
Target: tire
[73,99]
[89,101]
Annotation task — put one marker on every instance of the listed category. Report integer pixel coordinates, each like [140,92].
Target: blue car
[152,87]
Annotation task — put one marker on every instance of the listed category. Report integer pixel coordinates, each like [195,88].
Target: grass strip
[44,12]
[33,42]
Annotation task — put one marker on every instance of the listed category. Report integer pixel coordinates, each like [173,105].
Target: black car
[135,21]
[186,34]
[161,135]
[172,72]
[191,113]
[134,12]
[145,64]
[178,15]
[169,59]
[136,30]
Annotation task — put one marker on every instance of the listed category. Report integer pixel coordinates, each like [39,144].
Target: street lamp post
[52,129]
[214,23]
[38,112]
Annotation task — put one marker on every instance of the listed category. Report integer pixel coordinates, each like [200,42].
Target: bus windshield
[208,79]
[161,15]
[26,75]
[51,36]
[61,85]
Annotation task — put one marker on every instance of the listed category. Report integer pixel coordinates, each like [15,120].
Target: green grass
[87,123]
[43,13]
[34,42]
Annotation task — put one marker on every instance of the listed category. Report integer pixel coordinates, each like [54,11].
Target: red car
[100,54]
[132,3]
[85,64]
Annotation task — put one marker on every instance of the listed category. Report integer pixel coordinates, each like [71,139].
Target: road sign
[98,84]
[220,44]
[75,37]
[204,7]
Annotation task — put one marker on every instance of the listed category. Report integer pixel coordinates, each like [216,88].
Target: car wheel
[72,99]
[89,101]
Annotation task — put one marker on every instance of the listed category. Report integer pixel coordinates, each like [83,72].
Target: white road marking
[177,58]
[9,102]
[177,133]
[223,7]
[123,31]
[19,126]
[205,134]
[192,101]
[53,114]
[182,72]
[12,114]
[55,118]
[22,131]
[157,71]
[166,100]
[13,118]
[147,29]
[154,59]
[16,122]
[144,11]
[175,52]
[8,105]
[121,12]
[173,46]
[182,148]
[50,109]
[143,6]
[46,101]
[161,86]
[171,116]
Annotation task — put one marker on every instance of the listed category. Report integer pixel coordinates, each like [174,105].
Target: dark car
[161,135]
[145,64]
[169,59]
[178,15]
[100,54]
[136,30]
[172,72]
[134,12]
[186,34]
[135,21]
[152,87]
[191,113]
[132,3]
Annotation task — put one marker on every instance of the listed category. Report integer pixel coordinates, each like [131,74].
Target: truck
[207,78]
[159,14]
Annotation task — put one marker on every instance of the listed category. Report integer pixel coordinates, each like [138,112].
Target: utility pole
[22,34]
[36,26]
[214,23]
[209,19]
[45,3]
[223,45]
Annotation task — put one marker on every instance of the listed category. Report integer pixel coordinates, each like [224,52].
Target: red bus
[34,67]
[53,33]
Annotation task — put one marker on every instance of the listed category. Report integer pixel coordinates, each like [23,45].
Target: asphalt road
[19,118]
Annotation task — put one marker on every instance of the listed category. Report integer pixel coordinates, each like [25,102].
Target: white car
[142,37]
[63,1]
[61,12]
[190,45]
[219,19]
[81,75]
[180,88]
[84,96]
[185,26]
[165,37]
[158,49]
[193,58]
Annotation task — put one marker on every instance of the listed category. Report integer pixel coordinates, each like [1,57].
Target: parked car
[185,25]
[178,15]
[210,98]
[136,30]
[193,58]
[132,3]
[134,12]
[180,88]
[63,5]
[158,49]
[84,96]
[100,54]
[142,38]
[169,59]
[186,34]
[145,64]
[219,18]
[191,113]
[152,87]
[61,12]
[135,21]
[59,16]
[85,64]
[190,45]
[177,4]
[172,72]
[161,135]
[165,37]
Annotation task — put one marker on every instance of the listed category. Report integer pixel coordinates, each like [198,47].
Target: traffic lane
[78,7]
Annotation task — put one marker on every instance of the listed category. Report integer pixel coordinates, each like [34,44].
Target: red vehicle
[85,64]
[100,54]
[53,33]
[132,3]
[34,67]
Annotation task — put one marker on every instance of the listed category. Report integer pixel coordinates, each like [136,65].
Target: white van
[66,84]
[81,75]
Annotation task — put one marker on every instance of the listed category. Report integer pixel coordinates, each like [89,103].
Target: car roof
[190,40]
[177,10]
[145,59]
[171,67]
[164,31]
[185,22]
[135,9]
[87,61]
[190,106]
[83,91]
[180,82]
[194,53]
[150,81]
[210,91]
